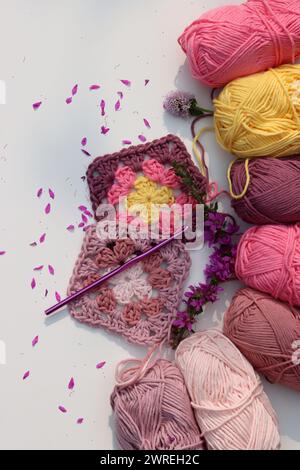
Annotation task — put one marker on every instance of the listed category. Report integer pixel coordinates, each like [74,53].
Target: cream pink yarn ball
[268,259]
[237,40]
[230,405]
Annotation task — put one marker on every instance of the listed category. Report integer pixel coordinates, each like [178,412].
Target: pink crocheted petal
[152,262]
[124,292]
[153,169]
[106,258]
[131,314]
[125,176]
[116,192]
[184,198]
[106,301]
[152,307]
[170,179]
[160,278]
[123,249]
[141,288]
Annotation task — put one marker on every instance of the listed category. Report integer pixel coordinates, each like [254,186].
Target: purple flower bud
[178,103]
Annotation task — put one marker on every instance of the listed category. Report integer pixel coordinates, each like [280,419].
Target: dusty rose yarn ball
[267,332]
[237,40]
[268,259]
[273,195]
[153,410]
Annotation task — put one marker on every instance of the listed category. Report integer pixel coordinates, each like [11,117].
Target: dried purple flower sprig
[184,104]
[219,230]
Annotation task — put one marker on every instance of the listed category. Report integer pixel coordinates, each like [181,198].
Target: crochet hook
[112,273]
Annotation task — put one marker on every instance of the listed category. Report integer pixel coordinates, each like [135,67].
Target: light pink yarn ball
[268,259]
[237,40]
[230,405]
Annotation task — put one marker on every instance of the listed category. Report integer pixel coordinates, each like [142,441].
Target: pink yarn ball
[237,40]
[153,410]
[268,259]
[267,332]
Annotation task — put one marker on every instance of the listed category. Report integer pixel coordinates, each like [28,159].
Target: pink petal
[146,82]
[2,253]
[51,270]
[126,82]
[117,105]
[38,268]
[26,375]
[51,193]
[62,409]
[40,192]
[69,100]
[42,238]
[36,105]
[82,208]
[79,421]
[48,208]
[120,93]
[142,138]
[71,384]
[86,153]
[70,228]
[57,296]
[86,227]
[126,142]
[84,218]
[147,123]
[81,225]
[94,87]
[35,341]
[88,213]
[102,106]
[33,283]
[33,244]
[100,365]
[84,141]
[104,130]
[74,90]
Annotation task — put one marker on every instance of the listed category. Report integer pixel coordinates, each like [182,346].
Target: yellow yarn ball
[259,115]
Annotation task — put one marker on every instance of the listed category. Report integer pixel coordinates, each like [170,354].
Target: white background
[47,47]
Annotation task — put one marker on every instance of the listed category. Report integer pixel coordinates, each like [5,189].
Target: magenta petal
[33,244]
[57,296]
[62,409]
[81,225]
[79,421]
[69,100]
[126,142]
[147,123]
[86,152]
[88,213]
[142,138]
[84,141]
[94,87]
[126,82]
[120,93]
[146,81]
[104,130]
[38,268]
[46,292]
[102,107]
[35,341]
[51,270]
[74,90]
[26,375]
[70,228]
[100,365]
[84,218]
[82,208]
[33,283]
[40,192]
[42,238]
[51,193]
[48,208]
[2,253]
[71,384]
[36,105]
[117,105]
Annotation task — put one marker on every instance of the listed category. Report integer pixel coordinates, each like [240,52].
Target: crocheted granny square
[138,303]
[144,174]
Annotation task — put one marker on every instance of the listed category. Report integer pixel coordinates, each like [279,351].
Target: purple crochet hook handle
[112,273]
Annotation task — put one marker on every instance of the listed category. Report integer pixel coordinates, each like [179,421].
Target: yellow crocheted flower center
[146,198]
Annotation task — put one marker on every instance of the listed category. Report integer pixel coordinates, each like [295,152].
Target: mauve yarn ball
[273,195]
[267,332]
[268,259]
[153,410]
[238,40]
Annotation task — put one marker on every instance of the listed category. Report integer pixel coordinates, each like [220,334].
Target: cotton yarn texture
[267,332]
[140,302]
[268,259]
[238,40]
[153,411]
[230,406]
[273,195]
[258,116]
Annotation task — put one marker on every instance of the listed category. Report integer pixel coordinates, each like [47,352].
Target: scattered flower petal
[104,130]
[102,106]
[51,270]
[33,283]
[46,292]
[48,208]
[84,141]
[2,253]
[126,82]
[40,192]
[71,384]
[38,268]
[74,90]
[82,208]
[88,213]
[142,138]
[79,421]
[81,225]
[70,228]
[146,81]
[94,87]
[84,218]
[147,123]
[26,375]
[57,296]
[85,152]
[33,244]
[120,93]
[42,238]
[117,105]
[69,100]
[100,365]
[126,142]
[36,105]
[35,341]
[62,409]
[51,193]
